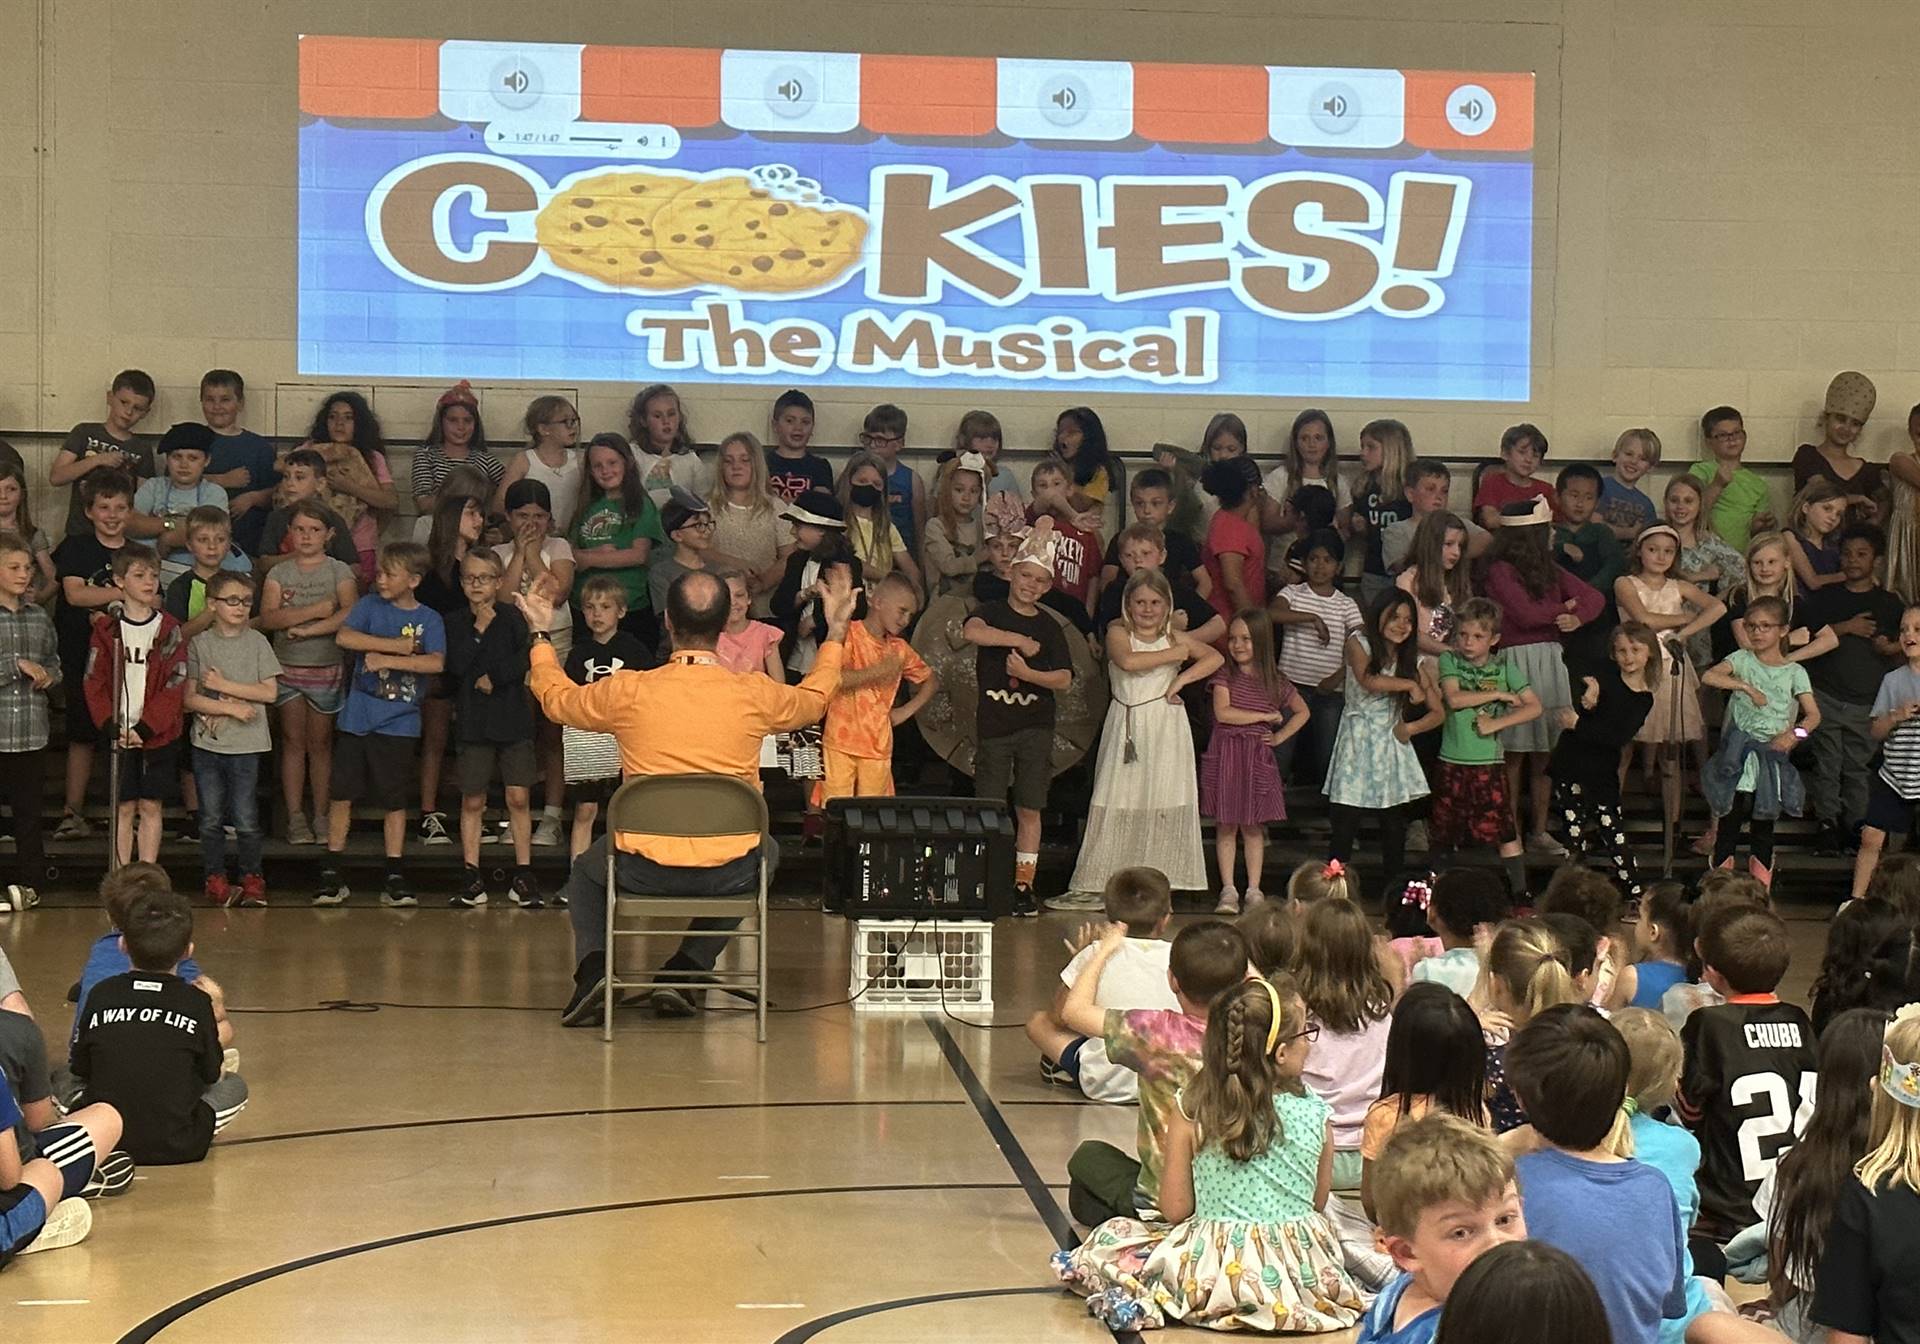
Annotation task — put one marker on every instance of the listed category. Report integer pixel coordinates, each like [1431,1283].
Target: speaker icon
[1064,101]
[516,83]
[792,90]
[1471,110]
[1335,108]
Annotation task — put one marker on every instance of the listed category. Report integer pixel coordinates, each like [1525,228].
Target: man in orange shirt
[691,716]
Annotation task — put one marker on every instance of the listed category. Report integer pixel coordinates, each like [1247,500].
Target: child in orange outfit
[857,742]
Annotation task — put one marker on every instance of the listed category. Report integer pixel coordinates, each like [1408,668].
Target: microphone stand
[1671,758]
[113,759]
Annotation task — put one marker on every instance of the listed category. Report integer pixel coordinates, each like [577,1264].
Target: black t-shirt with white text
[1006,707]
[84,558]
[1747,1092]
[149,1047]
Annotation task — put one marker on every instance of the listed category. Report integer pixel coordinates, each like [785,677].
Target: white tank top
[563,484]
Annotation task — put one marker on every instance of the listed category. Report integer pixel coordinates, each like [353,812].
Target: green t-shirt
[604,523]
[1746,494]
[1459,743]
[1781,685]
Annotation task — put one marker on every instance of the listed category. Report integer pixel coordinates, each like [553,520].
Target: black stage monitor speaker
[912,857]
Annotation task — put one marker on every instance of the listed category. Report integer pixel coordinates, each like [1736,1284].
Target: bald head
[697,610]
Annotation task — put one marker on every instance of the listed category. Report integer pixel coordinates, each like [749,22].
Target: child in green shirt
[1484,694]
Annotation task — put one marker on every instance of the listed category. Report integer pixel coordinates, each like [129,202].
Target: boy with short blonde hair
[143,651]
[397,642]
[1444,1194]
[857,741]
[232,679]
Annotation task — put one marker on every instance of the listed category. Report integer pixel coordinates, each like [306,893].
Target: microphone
[116,609]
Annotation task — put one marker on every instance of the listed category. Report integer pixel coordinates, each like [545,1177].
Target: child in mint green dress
[1249,1248]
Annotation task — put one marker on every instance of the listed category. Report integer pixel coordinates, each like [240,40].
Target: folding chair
[688,807]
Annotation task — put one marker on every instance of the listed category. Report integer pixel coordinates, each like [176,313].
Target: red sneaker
[253,892]
[218,889]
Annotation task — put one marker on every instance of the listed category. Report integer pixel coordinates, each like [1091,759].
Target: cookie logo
[762,232]
[602,227]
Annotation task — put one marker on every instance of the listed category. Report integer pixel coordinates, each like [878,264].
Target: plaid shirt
[26,633]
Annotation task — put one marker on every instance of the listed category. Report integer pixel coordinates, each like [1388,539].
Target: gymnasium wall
[1725,195]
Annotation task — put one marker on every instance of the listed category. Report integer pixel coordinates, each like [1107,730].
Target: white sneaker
[67,1225]
[24,897]
[547,833]
[6,901]
[1229,902]
[1542,843]
[299,832]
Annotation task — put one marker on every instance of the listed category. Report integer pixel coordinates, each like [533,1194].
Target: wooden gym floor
[478,1173]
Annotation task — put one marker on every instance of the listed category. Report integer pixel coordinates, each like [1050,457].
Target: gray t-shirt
[23,1062]
[1396,539]
[660,576]
[90,440]
[246,657]
[302,588]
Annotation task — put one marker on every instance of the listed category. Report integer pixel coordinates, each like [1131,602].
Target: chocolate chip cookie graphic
[749,232]
[602,227]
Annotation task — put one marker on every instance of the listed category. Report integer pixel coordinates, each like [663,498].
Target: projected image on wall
[546,211]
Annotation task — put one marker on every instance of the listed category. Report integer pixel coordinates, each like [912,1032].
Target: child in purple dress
[1255,709]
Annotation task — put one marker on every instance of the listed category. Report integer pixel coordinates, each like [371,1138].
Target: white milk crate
[899,964]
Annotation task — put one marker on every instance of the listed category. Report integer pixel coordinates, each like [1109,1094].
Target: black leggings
[1760,842]
[1393,836]
[20,775]
[1592,819]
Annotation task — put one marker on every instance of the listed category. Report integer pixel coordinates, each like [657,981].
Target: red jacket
[164,712]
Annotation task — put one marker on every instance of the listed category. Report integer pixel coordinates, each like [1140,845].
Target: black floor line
[582,1111]
[150,1328]
[1042,1199]
[1039,1194]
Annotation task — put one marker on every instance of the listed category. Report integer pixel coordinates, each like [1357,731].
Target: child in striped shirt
[1315,619]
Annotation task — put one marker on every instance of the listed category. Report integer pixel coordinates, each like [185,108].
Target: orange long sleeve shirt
[690,717]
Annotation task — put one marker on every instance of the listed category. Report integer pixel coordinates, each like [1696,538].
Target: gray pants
[587,896]
[1842,747]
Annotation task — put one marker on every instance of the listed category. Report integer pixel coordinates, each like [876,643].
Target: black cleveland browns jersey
[1746,1091]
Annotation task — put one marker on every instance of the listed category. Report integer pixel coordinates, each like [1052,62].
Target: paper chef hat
[1038,546]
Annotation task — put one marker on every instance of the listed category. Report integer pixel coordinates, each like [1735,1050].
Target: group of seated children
[1335,1127]
[150,1076]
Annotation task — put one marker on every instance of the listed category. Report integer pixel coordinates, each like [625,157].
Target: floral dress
[1709,551]
[1372,768]
[1256,1255]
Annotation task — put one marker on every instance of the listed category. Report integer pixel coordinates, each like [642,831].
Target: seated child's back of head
[158,931]
[1655,1055]
[1273,937]
[1749,950]
[1574,890]
[1528,969]
[1436,1055]
[1208,958]
[120,888]
[1317,881]
[1338,970]
[1140,898]
[1569,1068]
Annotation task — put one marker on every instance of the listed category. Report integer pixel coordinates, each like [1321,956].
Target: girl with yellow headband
[1248,1167]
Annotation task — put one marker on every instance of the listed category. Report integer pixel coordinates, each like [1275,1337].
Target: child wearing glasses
[233,678]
